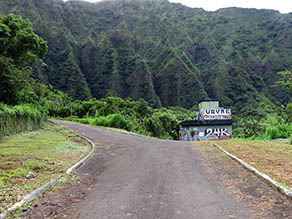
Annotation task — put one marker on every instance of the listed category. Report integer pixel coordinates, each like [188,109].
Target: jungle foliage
[267,121]
[19,48]
[134,116]
[165,53]
[155,57]
[25,103]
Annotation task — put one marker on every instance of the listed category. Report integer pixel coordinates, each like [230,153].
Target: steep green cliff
[166,53]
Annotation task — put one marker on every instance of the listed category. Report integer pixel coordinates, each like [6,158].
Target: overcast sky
[284,6]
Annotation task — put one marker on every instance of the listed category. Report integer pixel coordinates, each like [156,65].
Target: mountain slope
[166,53]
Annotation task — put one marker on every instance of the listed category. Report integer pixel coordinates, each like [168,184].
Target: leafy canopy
[18,41]
[285,80]
[19,47]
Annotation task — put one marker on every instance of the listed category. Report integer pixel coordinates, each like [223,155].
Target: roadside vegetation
[19,118]
[134,116]
[21,108]
[32,151]
[28,160]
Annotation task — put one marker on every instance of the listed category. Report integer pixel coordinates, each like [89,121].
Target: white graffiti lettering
[216,132]
[219,112]
[208,132]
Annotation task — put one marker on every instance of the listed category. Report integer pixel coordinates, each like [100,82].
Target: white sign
[217,112]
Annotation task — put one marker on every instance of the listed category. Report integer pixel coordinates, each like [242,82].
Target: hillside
[166,53]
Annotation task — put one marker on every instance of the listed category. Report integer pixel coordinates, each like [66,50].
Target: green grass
[47,153]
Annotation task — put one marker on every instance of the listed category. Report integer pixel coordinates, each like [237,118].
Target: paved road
[149,178]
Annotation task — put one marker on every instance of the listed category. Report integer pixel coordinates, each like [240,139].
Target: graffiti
[213,114]
[204,133]
[208,123]
[216,132]
[217,112]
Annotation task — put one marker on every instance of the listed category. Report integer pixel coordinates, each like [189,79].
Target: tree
[11,81]
[285,80]
[250,124]
[19,47]
[19,42]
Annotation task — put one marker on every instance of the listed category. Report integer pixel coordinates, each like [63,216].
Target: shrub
[20,118]
[101,121]
[126,114]
[279,131]
[113,120]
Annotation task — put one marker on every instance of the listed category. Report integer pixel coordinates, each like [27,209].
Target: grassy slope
[270,157]
[47,153]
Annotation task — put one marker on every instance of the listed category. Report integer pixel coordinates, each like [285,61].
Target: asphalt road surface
[139,177]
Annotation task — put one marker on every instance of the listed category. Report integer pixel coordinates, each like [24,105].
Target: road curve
[149,178]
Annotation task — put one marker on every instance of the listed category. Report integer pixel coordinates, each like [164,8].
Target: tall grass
[15,119]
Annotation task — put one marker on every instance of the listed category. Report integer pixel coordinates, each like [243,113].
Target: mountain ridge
[165,53]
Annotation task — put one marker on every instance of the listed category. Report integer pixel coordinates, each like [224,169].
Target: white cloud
[284,6]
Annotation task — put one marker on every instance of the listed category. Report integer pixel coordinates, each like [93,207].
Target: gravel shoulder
[142,177]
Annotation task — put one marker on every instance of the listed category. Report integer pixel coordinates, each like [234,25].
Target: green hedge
[15,119]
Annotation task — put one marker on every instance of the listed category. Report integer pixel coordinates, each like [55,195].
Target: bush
[278,131]
[136,116]
[163,124]
[118,121]
[101,121]
[113,120]
[20,118]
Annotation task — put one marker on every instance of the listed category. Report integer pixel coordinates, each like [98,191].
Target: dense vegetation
[150,53]
[19,118]
[134,116]
[165,53]
[19,47]
[25,104]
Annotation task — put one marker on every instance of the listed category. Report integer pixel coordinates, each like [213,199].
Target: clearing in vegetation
[46,154]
